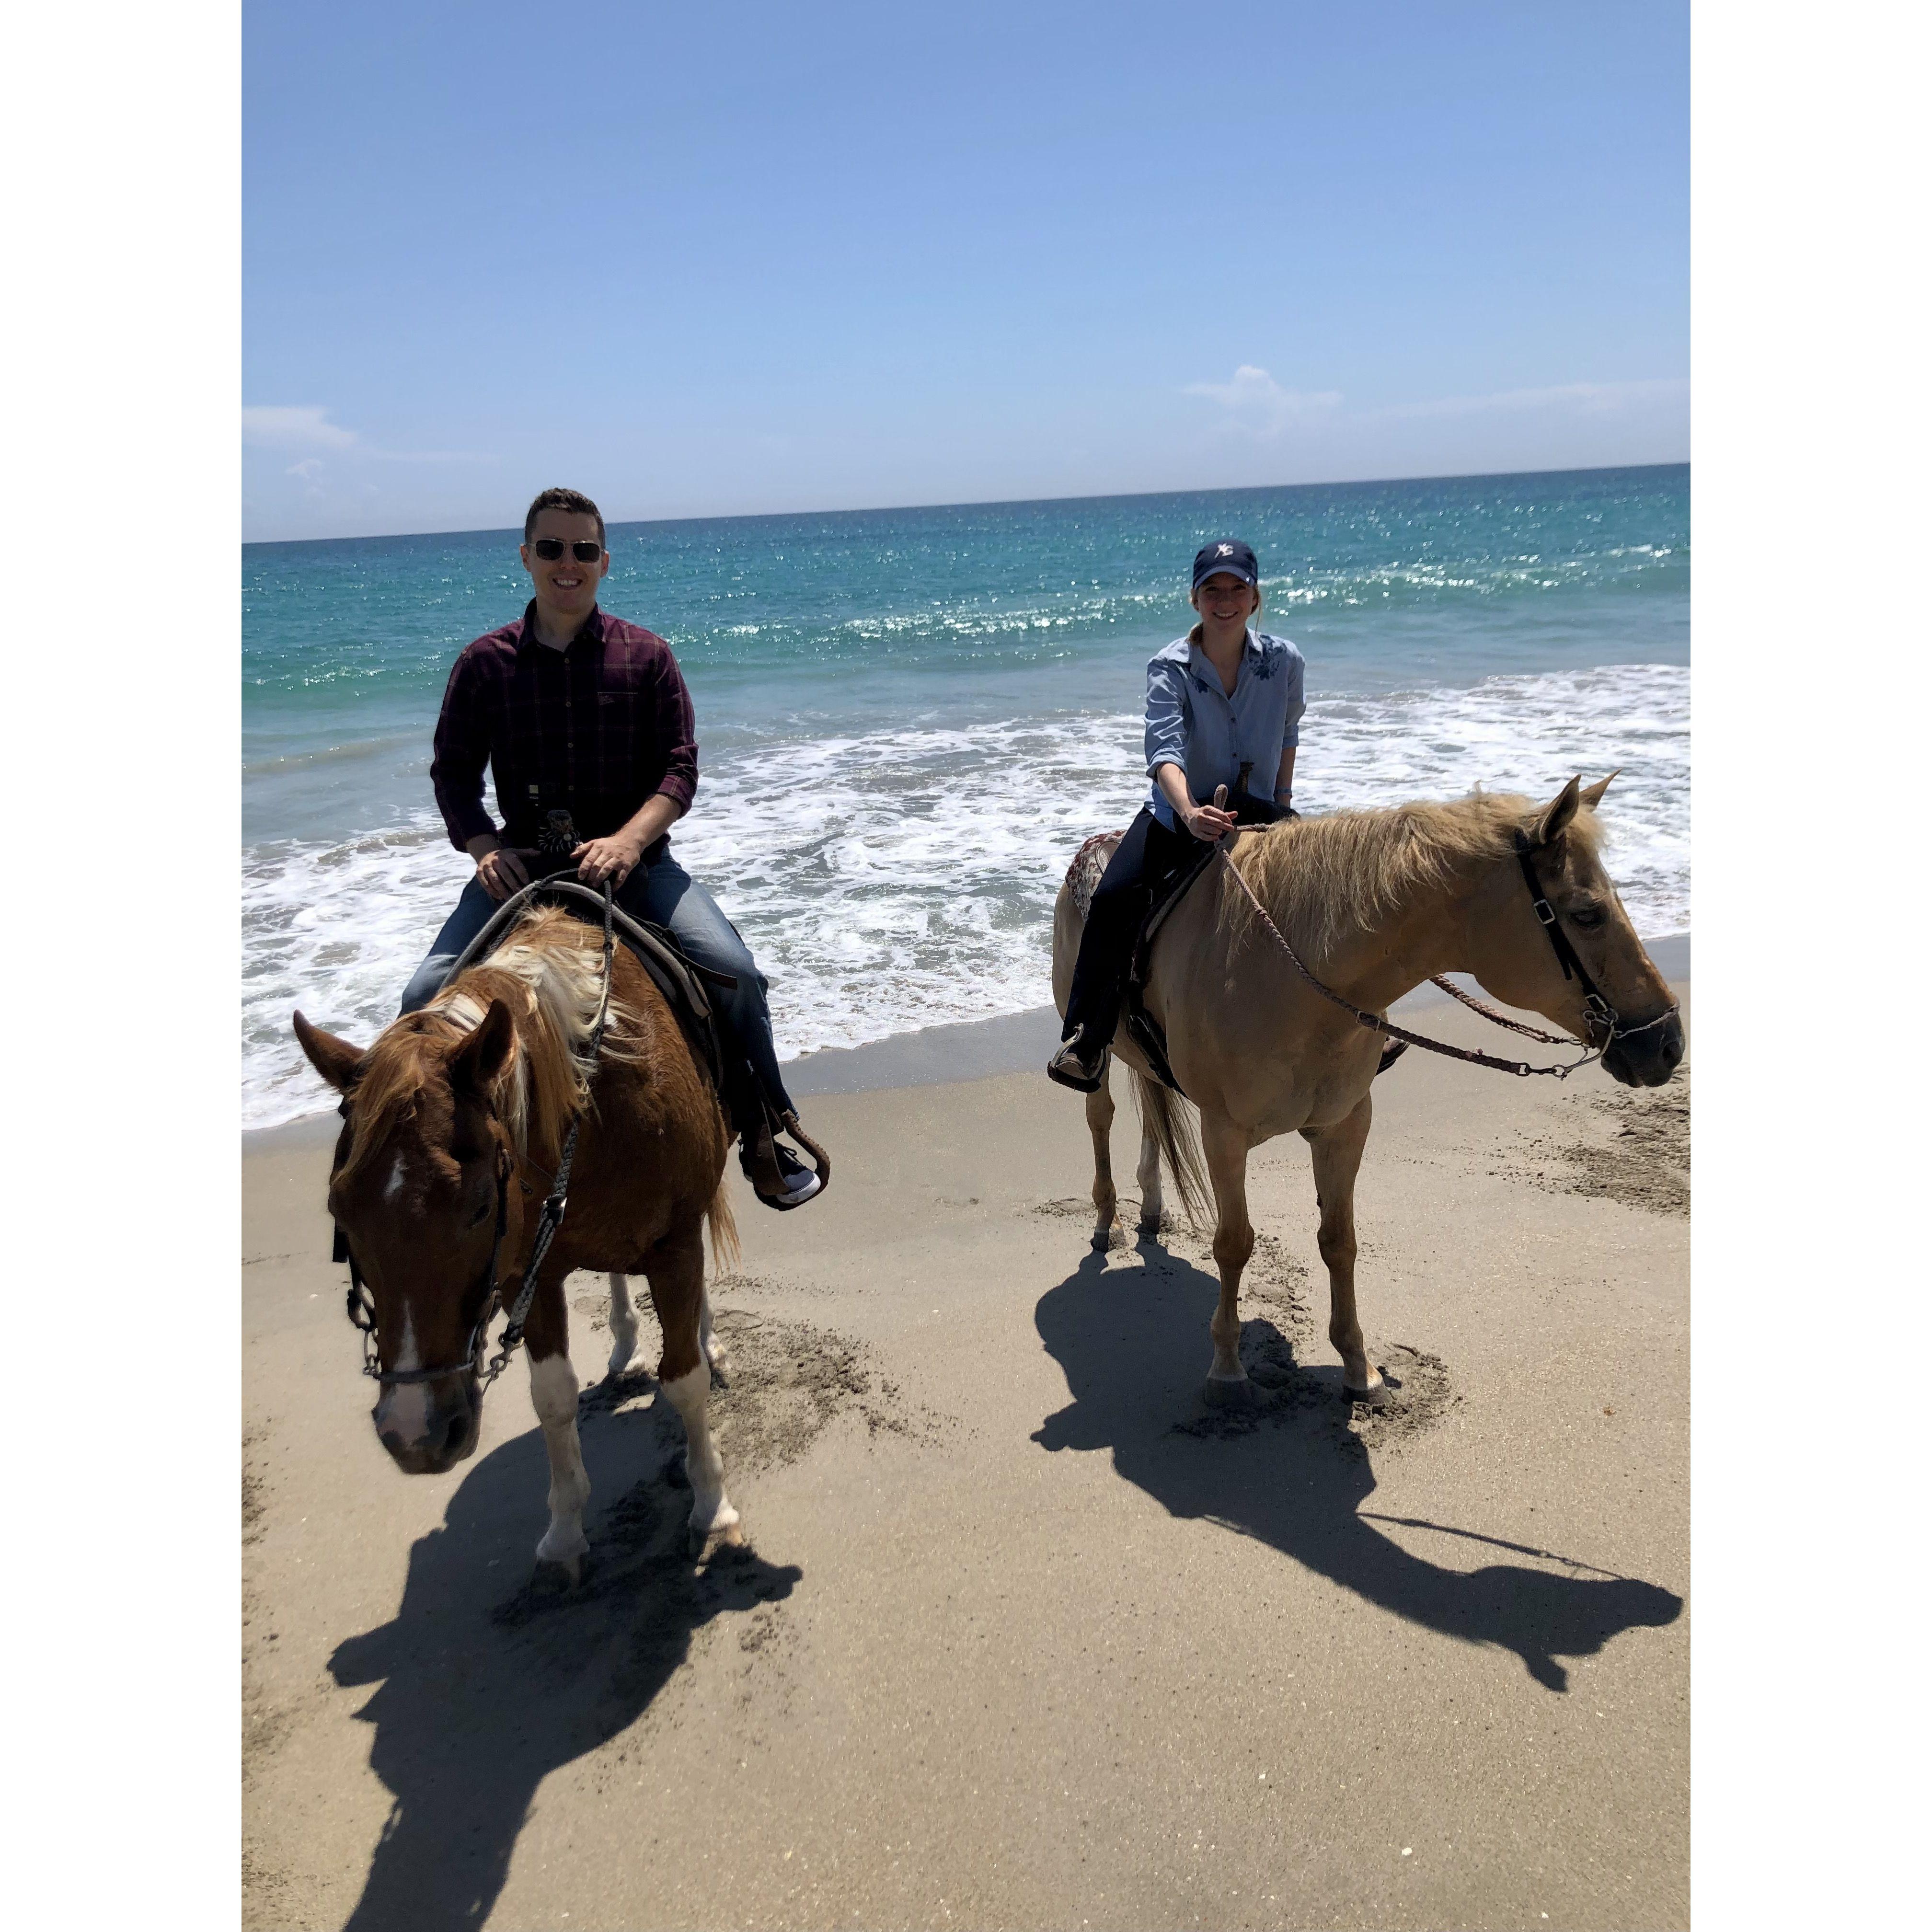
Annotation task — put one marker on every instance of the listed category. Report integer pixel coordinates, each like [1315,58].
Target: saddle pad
[1083,876]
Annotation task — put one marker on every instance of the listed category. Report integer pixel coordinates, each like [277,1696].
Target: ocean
[909,719]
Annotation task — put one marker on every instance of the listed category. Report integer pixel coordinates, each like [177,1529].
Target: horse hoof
[1104,1239]
[1148,1230]
[1380,1396]
[706,1544]
[553,1576]
[620,1359]
[1218,1393]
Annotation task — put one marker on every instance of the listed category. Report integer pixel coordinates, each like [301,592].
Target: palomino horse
[456,1118]
[1375,903]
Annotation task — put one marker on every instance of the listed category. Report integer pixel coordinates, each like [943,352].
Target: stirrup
[799,1183]
[1071,1069]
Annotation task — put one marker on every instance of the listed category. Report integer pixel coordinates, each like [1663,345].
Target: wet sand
[1024,1635]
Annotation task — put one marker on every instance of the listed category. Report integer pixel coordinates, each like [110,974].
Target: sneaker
[1082,1071]
[778,1176]
[798,1182]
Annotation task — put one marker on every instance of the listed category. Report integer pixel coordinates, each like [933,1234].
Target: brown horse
[455,1120]
[1375,903]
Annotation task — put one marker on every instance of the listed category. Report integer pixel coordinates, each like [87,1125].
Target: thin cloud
[1255,401]
[429,456]
[309,467]
[305,426]
[300,426]
[1595,399]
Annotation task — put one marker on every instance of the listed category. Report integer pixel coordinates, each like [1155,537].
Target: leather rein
[1603,1025]
[362,1306]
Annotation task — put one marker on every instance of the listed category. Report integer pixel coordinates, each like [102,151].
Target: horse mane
[549,972]
[1325,880]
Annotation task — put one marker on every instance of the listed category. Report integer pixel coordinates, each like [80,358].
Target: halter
[362,1306]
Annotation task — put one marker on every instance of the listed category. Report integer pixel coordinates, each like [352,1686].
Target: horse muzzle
[1646,1056]
[430,1427]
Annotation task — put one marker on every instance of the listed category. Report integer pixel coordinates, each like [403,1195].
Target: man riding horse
[573,711]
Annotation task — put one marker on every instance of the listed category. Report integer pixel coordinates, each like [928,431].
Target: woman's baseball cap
[1232,556]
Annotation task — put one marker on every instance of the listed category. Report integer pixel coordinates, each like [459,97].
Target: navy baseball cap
[1232,556]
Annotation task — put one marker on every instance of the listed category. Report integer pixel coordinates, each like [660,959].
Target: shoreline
[936,1056]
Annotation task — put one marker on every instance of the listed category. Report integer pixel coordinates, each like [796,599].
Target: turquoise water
[908,718]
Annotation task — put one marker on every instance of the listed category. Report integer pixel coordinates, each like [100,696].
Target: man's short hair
[575,501]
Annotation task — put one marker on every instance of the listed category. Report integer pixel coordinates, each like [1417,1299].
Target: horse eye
[1587,915]
[481,1213]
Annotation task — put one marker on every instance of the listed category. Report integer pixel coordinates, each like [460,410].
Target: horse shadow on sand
[488,1680]
[1290,1473]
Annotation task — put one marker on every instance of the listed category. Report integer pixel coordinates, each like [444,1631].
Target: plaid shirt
[596,729]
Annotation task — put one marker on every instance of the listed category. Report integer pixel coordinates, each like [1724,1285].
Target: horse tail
[723,1225]
[1166,1116]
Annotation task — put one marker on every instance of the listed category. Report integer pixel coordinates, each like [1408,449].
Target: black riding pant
[1146,861]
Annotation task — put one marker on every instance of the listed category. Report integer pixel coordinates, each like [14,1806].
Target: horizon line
[995,502]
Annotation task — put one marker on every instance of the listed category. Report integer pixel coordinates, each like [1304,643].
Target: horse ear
[335,1060]
[477,1062]
[1558,812]
[1593,795]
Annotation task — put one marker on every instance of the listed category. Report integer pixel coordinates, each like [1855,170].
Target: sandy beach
[1023,1636]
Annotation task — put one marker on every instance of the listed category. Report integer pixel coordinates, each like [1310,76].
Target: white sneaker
[800,1182]
[804,1187]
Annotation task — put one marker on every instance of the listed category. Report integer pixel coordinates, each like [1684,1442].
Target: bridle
[362,1306]
[1602,1027]
[1600,1015]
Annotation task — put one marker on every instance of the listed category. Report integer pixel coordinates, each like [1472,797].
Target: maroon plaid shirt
[596,729]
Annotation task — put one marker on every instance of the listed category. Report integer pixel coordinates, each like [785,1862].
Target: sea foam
[888,881]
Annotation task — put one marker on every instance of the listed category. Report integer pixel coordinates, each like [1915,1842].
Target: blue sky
[733,259]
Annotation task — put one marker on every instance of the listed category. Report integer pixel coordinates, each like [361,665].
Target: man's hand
[614,858]
[501,872]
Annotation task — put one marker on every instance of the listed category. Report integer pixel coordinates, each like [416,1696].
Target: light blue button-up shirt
[1193,723]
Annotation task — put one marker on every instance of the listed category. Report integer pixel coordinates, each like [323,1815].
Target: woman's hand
[1209,823]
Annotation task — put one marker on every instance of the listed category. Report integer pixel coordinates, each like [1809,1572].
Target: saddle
[682,980]
[1142,1028]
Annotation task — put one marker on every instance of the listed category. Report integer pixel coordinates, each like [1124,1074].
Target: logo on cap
[1224,549]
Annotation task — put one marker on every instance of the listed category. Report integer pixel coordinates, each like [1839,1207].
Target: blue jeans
[666,895]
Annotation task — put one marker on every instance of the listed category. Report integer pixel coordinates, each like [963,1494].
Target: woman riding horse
[1222,702]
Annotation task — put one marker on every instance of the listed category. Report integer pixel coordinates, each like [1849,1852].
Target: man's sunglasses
[584,550]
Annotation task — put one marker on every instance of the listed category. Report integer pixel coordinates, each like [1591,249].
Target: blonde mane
[549,973]
[1325,880]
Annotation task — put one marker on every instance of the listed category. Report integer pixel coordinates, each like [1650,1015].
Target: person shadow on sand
[487,1681]
[1130,1345]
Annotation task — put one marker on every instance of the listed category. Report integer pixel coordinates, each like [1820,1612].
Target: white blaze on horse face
[392,1191]
[404,1408]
